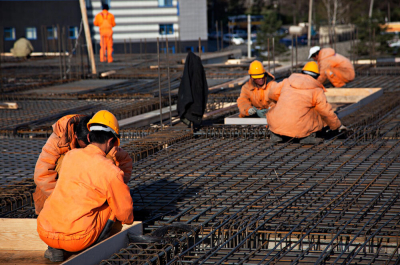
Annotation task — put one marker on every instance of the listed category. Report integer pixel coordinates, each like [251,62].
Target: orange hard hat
[256,70]
[106,118]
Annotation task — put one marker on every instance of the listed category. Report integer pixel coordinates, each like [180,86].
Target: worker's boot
[311,139]
[274,138]
[54,254]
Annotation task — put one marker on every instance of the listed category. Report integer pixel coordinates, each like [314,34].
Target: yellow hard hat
[106,118]
[311,67]
[256,70]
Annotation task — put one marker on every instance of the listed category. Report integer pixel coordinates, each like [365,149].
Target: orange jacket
[335,67]
[88,181]
[60,142]
[301,107]
[106,21]
[251,96]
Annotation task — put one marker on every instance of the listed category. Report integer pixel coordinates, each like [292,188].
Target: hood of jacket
[325,53]
[64,128]
[303,81]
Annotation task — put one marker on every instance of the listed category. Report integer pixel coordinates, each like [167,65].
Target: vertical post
[249,36]
[269,66]
[159,80]
[373,46]
[140,48]
[43,40]
[64,48]
[216,26]
[296,53]
[169,86]
[145,47]
[87,35]
[222,36]
[388,11]
[125,47]
[176,45]
[130,46]
[59,50]
[309,24]
[200,48]
[292,52]
[273,52]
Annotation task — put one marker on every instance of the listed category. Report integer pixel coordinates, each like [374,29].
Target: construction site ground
[227,194]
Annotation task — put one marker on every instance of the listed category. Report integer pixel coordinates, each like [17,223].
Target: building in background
[139,24]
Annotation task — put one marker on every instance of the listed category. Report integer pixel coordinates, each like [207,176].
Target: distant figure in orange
[105,21]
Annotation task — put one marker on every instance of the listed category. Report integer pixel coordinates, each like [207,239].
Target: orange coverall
[59,143]
[301,107]
[90,187]
[334,67]
[106,21]
[251,96]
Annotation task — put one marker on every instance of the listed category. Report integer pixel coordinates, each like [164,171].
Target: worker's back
[301,107]
[87,182]
[105,21]
[342,68]
[22,48]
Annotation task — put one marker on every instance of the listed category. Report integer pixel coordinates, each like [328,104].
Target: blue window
[164,2]
[9,33]
[73,32]
[166,29]
[51,33]
[30,33]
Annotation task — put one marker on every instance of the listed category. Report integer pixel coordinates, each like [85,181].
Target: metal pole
[145,47]
[292,53]
[216,26]
[169,86]
[59,50]
[124,47]
[140,48]
[130,46]
[159,80]
[222,37]
[296,53]
[43,40]
[370,9]
[309,23]
[200,48]
[273,52]
[269,66]
[249,37]
[64,48]
[176,45]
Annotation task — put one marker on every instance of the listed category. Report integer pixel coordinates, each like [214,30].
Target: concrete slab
[77,86]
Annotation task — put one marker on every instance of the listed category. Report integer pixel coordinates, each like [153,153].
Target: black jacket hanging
[193,91]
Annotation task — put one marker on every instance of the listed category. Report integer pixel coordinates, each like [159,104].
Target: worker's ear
[88,139]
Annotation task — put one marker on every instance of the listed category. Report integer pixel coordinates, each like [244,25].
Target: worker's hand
[262,112]
[252,111]
[342,128]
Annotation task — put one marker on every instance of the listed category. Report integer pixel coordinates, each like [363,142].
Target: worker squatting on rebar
[91,191]
[299,108]
[253,99]
[105,21]
[333,67]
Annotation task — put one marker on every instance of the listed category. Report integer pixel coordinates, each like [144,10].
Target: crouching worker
[301,108]
[253,99]
[90,193]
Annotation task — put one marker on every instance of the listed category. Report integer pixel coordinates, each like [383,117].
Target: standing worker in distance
[301,108]
[90,193]
[332,66]
[253,99]
[105,21]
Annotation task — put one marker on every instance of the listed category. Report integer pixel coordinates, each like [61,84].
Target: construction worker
[90,193]
[253,99]
[105,21]
[301,108]
[334,67]
[69,132]
[22,48]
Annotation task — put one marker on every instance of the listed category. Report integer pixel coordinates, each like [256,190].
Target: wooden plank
[148,118]
[20,234]
[18,257]
[236,120]
[8,105]
[106,248]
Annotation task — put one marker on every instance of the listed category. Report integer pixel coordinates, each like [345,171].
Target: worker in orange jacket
[69,132]
[332,66]
[301,108]
[105,21]
[253,99]
[90,193]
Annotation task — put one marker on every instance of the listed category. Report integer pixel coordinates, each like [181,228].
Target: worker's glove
[342,128]
[261,112]
[252,111]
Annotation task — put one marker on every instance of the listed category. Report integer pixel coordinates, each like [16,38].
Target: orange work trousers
[74,243]
[106,46]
